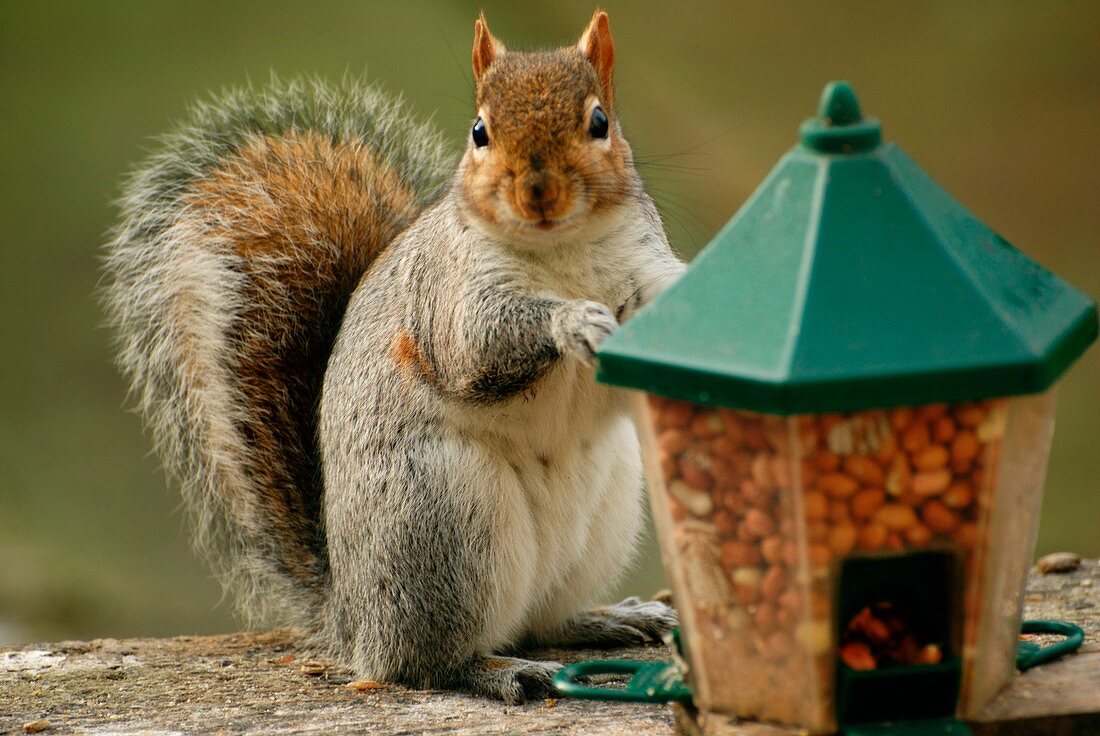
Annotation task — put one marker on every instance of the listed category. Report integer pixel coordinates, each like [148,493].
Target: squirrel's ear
[597,46]
[486,48]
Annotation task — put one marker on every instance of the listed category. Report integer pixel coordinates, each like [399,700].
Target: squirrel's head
[545,157]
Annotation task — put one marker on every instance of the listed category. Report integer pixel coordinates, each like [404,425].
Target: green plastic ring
[1029,655]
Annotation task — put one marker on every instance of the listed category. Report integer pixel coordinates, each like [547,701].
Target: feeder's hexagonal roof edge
[852,280]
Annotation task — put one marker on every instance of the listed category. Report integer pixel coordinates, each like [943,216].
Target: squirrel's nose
[539,195]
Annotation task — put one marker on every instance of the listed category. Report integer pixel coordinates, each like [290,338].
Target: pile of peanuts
[881,635]
[762,506]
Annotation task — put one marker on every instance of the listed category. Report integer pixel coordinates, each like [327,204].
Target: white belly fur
[568,497]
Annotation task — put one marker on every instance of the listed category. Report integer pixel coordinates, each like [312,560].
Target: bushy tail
[226,278]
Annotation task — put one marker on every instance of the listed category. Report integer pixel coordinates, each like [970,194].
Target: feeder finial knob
[839,105]
[840,126]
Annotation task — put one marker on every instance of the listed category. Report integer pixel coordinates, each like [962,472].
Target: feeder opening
[898,618]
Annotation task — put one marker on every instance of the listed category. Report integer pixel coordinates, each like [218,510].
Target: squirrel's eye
[597,127]
[479,134]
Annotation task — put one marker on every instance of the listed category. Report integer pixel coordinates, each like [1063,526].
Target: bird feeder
[846,410]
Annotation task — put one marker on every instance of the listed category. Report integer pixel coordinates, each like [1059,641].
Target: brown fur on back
[307,216]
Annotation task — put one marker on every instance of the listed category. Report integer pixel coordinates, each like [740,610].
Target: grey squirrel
[374,383]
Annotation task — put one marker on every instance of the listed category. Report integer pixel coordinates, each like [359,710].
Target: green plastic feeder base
[898,693]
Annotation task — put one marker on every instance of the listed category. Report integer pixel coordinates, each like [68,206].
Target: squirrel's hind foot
[630,622]
[515,681]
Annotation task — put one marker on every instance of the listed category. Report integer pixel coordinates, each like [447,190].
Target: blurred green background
[999,101]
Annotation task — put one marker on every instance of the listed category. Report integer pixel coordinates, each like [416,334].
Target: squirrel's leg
[431,564]
[629,622]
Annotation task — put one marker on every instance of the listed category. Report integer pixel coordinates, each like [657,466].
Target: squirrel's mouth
[546,224]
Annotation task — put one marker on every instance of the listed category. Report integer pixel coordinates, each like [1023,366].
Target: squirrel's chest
[607,276]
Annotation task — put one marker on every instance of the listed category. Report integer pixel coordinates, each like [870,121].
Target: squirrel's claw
[580,327]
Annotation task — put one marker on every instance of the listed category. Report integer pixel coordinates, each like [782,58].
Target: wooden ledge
[262,684]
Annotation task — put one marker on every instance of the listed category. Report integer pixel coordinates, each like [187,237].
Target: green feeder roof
[851,280]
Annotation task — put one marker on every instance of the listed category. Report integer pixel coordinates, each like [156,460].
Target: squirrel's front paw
[581,326]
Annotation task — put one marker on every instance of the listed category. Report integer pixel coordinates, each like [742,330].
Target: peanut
[762,473]
[959,495]
[733,502]
[819,554]
[838,512]
[864,469]
[735,553]
[899,476]
[931,482]
[724,445]
[753,494]
[842,539]
[817,531]
[943,430]
[900,418]
[694,471]
[857,656]
[872,536]
[746,584]
[675,414]
[931,412]
[918,536]
[886,451]
[938,517]
[838,485]
[827,461]
[755,438]
[694,500]
[815,505]
[933,457]
[896,517]
[772,550]
[757,524]
[674,441]
[964,450]
[732,424]
[815,636]
[723,472]
[707,424]
[764,617]
[773,583]
[725,523]
[865,503]
[790,599]
[994,425]
[970,415]
[916,437]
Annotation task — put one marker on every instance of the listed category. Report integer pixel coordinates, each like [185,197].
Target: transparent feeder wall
[754,512]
